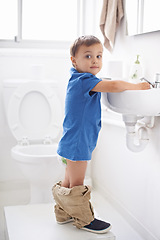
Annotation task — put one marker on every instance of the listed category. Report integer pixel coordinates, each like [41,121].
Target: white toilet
[34,116]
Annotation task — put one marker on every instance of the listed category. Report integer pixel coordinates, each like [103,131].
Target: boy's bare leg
[65,182]
[75,173]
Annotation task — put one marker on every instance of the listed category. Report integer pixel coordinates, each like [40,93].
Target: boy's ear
[73,60]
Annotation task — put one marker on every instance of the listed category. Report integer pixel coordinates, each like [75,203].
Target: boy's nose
[95,60]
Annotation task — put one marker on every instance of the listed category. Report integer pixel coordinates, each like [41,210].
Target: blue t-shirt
[82,120]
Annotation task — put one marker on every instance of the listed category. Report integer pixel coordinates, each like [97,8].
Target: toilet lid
[34,112]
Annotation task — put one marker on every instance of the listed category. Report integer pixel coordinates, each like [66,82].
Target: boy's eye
[88,56]
[99,56]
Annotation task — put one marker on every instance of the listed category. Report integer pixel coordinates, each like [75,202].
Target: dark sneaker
[97,226]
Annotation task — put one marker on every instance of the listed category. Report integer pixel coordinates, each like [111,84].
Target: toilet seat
[34,153]
[34,112]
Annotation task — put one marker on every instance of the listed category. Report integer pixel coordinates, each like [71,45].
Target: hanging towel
[111,15]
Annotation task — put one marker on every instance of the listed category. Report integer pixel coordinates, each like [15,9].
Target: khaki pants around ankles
[61,215]
[73,202]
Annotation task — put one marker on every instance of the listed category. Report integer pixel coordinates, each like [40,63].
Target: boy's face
[88,59]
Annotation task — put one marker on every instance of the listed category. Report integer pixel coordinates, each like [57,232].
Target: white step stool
[37,222]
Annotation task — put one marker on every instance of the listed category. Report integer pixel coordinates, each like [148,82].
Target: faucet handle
[157,80]
[157,77]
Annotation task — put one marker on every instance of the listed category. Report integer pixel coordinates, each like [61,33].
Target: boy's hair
[83,40]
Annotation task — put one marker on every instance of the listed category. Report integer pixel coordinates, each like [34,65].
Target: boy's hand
[143,86]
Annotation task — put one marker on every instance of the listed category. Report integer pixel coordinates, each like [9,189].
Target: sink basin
[135,102]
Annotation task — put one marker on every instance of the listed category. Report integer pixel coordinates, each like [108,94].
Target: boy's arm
[119,86]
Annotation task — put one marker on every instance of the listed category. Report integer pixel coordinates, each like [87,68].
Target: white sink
[135,102]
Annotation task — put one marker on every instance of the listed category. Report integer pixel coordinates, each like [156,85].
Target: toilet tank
[10,85]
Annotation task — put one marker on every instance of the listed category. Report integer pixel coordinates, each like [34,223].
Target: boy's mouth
[94,67]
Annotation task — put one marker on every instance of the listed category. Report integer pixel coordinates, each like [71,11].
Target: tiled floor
[37,222]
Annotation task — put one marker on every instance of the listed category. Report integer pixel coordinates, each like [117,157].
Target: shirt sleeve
[89,81]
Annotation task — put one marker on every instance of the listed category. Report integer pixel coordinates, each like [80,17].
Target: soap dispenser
[136,72]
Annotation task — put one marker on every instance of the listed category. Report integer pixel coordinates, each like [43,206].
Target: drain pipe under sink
[142,140]
[136,139]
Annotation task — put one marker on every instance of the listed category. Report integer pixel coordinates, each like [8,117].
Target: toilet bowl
[34,118]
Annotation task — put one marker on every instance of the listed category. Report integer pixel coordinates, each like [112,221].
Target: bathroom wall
[131,181]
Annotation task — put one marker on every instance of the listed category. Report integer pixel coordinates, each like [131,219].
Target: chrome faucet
[152,84]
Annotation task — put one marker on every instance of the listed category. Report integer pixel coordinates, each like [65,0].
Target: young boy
[81,127]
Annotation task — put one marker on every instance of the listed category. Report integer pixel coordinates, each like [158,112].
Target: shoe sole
[97,231]
[67,221]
